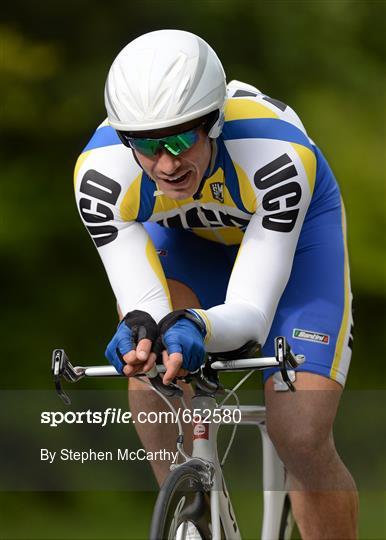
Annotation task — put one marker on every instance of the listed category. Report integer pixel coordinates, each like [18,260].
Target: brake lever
[284,355]
[168,390]
[205,379]
[62,367]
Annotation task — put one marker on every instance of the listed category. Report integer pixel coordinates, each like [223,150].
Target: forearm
[135,273]
[231,325]
[258,279]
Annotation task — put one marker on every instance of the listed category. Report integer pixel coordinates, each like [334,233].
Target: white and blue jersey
[264,248]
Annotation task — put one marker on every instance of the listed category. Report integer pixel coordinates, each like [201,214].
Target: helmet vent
[163,79]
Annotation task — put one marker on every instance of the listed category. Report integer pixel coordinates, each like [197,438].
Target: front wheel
[182,509]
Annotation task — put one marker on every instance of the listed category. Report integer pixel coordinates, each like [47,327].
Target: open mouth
[178,180]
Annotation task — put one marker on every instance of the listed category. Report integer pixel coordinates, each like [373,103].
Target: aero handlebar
[205,377]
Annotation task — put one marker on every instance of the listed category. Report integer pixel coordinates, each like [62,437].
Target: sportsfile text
[111,415]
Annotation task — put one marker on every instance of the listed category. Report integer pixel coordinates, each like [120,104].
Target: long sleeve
[107,190]
[263,265]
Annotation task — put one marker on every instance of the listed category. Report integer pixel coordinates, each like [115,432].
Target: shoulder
[252,117]
[262,135]
[107,173]
[106,155]
[245,102]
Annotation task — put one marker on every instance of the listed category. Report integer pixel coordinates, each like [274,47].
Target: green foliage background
[324,58]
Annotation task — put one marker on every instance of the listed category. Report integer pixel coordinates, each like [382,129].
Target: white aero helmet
[163,79]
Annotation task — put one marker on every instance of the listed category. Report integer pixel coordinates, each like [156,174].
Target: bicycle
[194,502]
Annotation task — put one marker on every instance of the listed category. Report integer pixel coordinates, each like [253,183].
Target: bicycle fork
[205,449]
[275,516]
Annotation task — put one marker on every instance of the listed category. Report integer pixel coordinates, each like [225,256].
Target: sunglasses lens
[147,147]
[176,144]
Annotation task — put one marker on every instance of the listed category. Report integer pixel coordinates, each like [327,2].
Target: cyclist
[219,221]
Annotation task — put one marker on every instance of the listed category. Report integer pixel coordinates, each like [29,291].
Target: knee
[182,296]
[141,393]
[136,384]
[301,443]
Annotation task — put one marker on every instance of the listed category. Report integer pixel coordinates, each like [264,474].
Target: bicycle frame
[205,433]
[274,478]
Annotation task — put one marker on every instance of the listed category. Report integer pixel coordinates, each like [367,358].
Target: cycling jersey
[267,190]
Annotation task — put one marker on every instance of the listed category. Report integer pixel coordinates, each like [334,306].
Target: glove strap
[141,324]
[171,318]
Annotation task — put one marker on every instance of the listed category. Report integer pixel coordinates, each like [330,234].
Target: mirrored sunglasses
[175,144]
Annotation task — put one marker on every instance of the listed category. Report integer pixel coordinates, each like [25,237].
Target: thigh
[314,313]
[201,265]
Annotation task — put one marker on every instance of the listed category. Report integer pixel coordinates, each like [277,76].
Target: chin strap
[198,195]
[157,192]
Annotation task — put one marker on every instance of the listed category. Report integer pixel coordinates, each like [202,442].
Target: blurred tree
[323,58]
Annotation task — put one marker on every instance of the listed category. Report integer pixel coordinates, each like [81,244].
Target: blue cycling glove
[184,331]
[136,325]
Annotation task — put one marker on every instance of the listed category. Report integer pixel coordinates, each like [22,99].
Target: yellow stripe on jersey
[209,234]
[204,316]
[207,195]
[341,341]
[164,204]
[78,165]
[229,236]
[237,109]
[247,194]
[238,255]
[155,264]
[232,236]
[130,204]
[308,159]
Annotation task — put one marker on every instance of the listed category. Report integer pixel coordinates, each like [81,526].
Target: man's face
[178,177]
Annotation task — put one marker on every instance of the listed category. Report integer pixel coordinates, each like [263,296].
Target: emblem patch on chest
[217,189]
